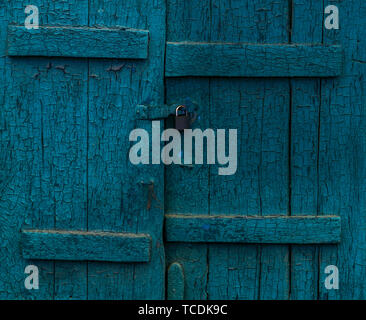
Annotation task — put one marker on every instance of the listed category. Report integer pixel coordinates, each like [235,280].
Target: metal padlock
[182,121]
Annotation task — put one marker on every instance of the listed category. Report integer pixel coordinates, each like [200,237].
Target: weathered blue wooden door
[65,122]
[301,147]
[73,205]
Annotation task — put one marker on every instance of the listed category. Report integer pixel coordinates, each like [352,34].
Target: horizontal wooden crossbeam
[252,60]
[253,229]
[83,246]
[79,42]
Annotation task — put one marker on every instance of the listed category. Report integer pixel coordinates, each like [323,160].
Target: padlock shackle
[180,107]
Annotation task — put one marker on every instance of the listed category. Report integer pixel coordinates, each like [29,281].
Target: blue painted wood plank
[187,188]
[85,246]
[272,165]
[117,201]
[64,159]
[236,21]
[257,108]
[236,103]
[193,180]
[81,42]
[307,24]
[252,60]
[62,95]
[342,151]
[44,117]
[253,229]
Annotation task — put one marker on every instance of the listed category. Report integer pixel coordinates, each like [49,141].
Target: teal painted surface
[252,60]
[175,288]
[259,109]
[324,134]
[260,186]
[64,164]
[78,42]
[42,117]
[342,146]
[85,246]
[64,125]
[117,201]
[307,27]
[186,188]
[241,229]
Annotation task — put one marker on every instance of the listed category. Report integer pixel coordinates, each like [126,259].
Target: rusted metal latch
[149,112]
